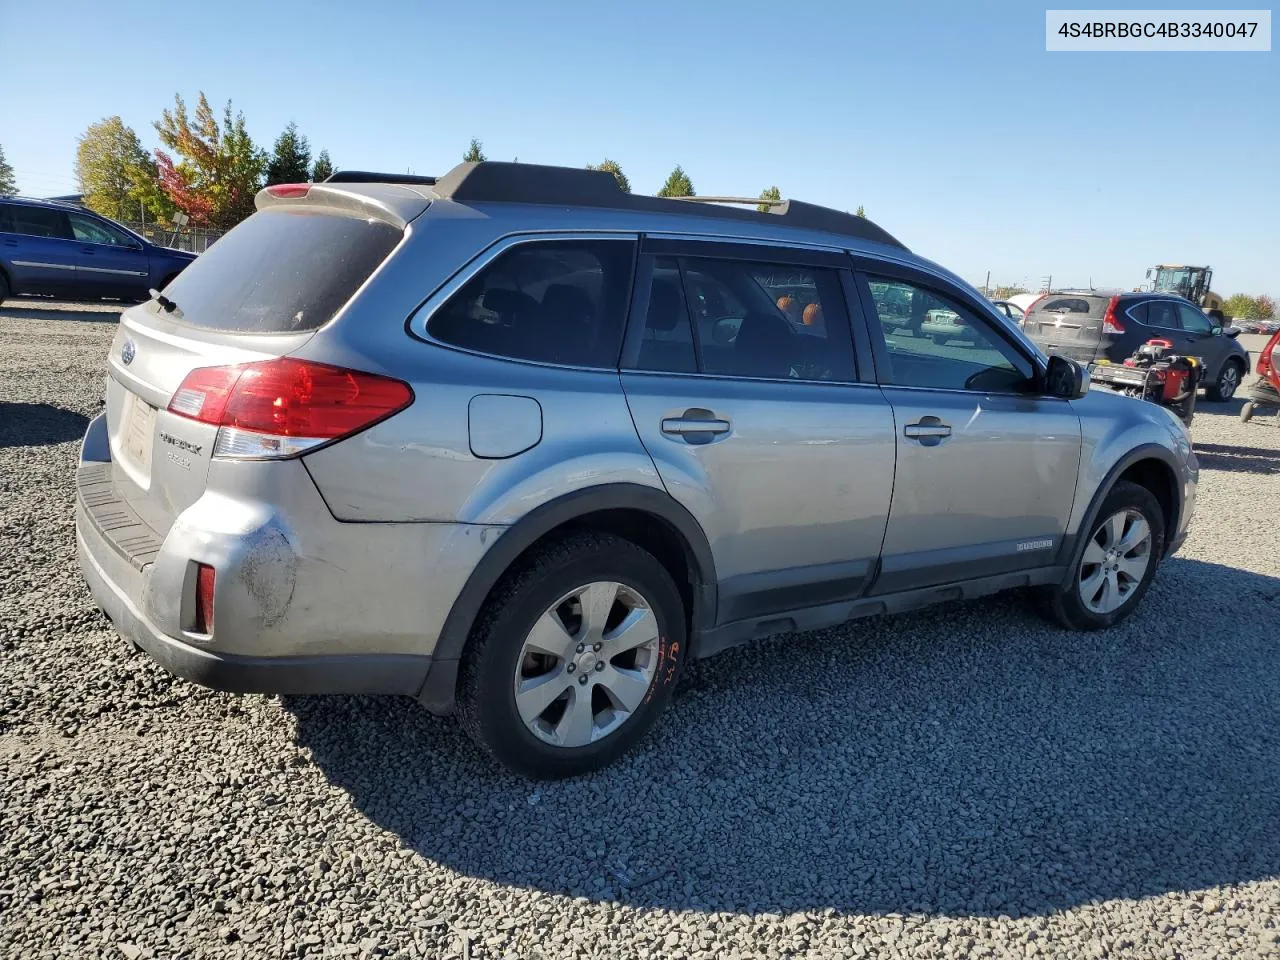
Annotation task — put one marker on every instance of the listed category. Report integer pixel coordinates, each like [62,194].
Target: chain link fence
[194,240]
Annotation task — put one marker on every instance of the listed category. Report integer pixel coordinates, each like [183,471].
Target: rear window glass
[281,271]
[1085,305]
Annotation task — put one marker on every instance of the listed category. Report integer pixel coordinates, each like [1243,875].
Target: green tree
[112,169]
[8,185]
[1241,305]
[474,152]
[678,185]
[772,193]
[219,168]
[290,157]
[860,212]
[1266,307]
[323,169]
[611,166]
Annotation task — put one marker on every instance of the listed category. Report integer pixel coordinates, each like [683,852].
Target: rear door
[111,263]
[1069,324]
[258,293]
[1202,338]
[986,468]
[740,375]
[41,250]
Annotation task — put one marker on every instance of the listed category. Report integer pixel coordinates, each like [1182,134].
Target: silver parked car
[519,445]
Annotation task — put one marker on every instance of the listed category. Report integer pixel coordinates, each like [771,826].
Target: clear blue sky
[949,122]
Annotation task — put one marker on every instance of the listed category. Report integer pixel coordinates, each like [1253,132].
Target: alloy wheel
[587,665]
[1115,560]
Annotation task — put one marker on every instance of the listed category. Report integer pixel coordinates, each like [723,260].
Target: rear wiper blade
[167,305]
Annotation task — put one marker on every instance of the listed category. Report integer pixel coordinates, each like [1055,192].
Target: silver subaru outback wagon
[519,445]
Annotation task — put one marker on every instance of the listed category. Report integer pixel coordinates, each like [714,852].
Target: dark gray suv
[1103,326]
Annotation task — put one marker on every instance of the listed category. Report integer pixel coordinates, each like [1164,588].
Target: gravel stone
[968,781]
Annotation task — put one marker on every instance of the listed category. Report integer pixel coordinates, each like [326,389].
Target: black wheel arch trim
[437,693]
[1074,544]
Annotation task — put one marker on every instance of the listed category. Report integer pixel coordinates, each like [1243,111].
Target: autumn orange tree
[214,169]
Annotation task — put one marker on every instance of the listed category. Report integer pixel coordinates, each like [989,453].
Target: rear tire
[1104,585]
[543,603]
[939,339]
[1224,388]
[1246,412]
[4,288]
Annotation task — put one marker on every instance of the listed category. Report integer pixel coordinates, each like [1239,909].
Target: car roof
[39,202]
[518,190]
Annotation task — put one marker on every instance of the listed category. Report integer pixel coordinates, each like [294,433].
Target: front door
[986,471]
[110,264]
[741,381]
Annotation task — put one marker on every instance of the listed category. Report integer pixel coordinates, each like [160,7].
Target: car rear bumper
[303,603]
[339,673]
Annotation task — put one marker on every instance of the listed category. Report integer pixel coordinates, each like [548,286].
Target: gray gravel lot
[964,782]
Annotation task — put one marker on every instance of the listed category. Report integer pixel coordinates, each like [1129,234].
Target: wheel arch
[644,515]
[1149,465]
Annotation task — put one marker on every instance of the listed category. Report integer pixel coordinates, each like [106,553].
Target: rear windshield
[1087,306]
[281,271]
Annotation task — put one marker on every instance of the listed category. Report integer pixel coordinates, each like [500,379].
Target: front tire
[573,657]
[1112,573]
[1228,381]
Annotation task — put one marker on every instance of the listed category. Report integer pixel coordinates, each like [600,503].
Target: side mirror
[1066,378]
[1231,332]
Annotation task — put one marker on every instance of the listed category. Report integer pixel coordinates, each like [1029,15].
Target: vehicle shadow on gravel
[1218,456]
[969,760]
[38,424]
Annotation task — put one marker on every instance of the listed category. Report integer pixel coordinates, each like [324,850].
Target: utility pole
[986,289]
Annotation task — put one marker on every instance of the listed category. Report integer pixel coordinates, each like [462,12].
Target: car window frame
[942,287]
[684,247]
[416,324]
[6,218]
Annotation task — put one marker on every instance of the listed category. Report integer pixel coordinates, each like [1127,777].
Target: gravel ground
[964,782]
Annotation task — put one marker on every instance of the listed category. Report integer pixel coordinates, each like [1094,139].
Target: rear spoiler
[391,203]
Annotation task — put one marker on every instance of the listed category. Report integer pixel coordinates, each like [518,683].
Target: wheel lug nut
[597,646]
[581,647]
[599,666]
[583,678]
[572,667]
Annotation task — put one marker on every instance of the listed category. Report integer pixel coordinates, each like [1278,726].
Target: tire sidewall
[501,725]
[1123,496]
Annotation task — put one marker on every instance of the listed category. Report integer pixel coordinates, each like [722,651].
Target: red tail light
[204,598]
[280,408]
[1110,324]
[289,191]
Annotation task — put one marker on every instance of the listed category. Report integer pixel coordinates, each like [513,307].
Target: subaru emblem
[127,352]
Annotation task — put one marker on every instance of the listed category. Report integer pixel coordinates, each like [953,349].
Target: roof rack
[494,181]
[366,176]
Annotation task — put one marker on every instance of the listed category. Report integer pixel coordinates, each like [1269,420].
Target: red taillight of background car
[280,408]
[204,599]
[1110,323]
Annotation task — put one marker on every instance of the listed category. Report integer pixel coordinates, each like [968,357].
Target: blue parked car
[56,249]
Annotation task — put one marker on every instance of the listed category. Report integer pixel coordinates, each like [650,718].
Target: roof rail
[366,176]
[493,181]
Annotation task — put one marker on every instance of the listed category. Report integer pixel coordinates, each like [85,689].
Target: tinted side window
[773,321]
[667,341]
[6,219]
[935,342]
[1139,312]
[1193,320]
[40,222]
[1163,313]
[560,301]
